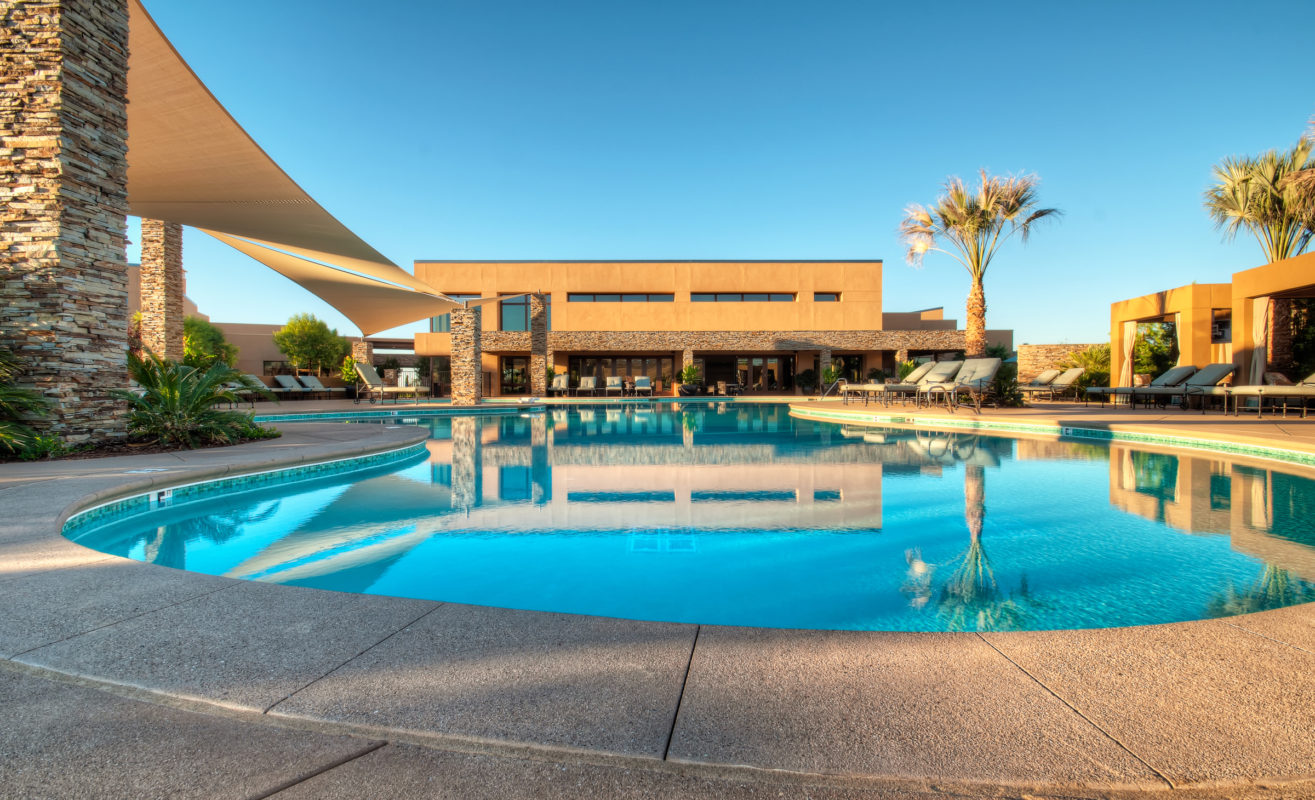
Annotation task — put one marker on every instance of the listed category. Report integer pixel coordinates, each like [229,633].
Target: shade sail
[190,162]
[370,304]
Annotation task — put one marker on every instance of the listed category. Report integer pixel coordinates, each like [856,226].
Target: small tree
[204,344]
[1095,362]
[309,342]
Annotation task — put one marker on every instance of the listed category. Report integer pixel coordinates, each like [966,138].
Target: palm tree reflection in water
[970,599]
[1275,588]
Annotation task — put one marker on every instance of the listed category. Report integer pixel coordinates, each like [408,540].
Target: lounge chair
[887,391]
[643,384]
[317,386]
[975,380]
[614,384]
[560,385]
[1040,383]
[1303,390]
[1057,387]
[288,385]
[372,386]
[1203,383]
[942,372]
[587,384]
[1171,377]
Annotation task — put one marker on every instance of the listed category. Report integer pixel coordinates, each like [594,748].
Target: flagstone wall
[63,206]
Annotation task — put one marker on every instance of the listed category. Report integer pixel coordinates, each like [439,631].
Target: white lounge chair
[560,384]
[587,384]
[614,384]
[643,384]
[885,392]
[372,386]
[975,380]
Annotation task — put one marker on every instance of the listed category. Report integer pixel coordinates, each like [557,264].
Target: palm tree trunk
[975,326]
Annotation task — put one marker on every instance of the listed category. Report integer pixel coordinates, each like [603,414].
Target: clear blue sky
[517,129]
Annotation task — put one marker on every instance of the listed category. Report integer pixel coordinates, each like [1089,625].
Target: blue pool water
[741,515]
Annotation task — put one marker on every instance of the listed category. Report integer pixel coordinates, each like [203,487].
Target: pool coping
[107,486]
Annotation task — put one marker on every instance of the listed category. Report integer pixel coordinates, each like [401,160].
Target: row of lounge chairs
[1053,383]
[589,385]
[952,383]
[1183,383]
[370,387]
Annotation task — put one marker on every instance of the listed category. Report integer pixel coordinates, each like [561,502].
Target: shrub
[309,342]
[18,406]
[176,404]
[347,370]
[905,367]
[691,374]
[832,374]
[876,375]
[1095,360]
[807,380]
[203,344]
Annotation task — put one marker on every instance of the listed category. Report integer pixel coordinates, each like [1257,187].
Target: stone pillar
[467,463]
[63,207]
[467,371]
[540,468]
[686,358]
[901,355]
[162,288]
[538,346]
[363,352]
[823,362]
[1280,338]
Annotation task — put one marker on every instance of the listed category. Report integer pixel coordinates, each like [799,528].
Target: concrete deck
[121,679]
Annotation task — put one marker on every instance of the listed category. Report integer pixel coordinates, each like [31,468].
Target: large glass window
[515,313]
[515,374]
[443,322]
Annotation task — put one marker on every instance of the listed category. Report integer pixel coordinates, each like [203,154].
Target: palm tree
[975,224]
[1271,195]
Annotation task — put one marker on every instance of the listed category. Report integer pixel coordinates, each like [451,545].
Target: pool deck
[123,679]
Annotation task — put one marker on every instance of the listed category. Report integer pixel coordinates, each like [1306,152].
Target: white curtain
[1259,339]
[1129,339]
[1178,338]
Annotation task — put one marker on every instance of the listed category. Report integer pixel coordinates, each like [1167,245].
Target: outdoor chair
[1202,384]
[287,384]
[975,380]
[372,386]
[644,385]
[942,372]
[1057,387]
[1171,377]
[1040,383]
[275,391]
[1303,390]
[560,385]
[885,392]
[317,386]
[614,385]
[587,384]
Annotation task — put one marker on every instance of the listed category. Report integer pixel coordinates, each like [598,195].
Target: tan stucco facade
[1246,298]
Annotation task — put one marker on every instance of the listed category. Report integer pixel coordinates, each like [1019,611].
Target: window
[592,297]
[443,322]
[826,297]
[738,297]
[515,314]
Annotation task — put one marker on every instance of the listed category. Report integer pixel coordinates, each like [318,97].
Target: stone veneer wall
[727,341]
[363,352]
[467,372]
[538,345]
[1034,359]
[162,288]
[63,207]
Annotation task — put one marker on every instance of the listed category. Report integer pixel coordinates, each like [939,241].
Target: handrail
[827,391]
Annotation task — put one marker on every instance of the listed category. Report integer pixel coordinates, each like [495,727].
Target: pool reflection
[713,506]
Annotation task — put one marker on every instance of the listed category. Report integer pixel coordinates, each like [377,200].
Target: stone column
[901,355]
[540,468]
[467,371]
[1280,337]
[538,346]
[823,361]
[363,352]
[467,463]
[162,288]
[686,358]
[63,207]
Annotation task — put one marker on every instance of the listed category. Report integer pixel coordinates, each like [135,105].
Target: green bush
[1095,360]
[18,407]
[807,380]
[691,374]
[876,375]
[177,404]
[905,367]
[203,344]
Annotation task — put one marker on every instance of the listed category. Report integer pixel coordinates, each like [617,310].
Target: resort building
[757,324]
[1249,321]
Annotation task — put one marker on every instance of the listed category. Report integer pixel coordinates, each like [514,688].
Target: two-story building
[755,323]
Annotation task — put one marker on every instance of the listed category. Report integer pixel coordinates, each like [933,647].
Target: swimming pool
[739,514]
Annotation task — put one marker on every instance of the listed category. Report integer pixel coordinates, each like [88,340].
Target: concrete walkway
[122,679]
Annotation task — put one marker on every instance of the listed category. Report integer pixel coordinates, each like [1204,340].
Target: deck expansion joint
[680,700]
